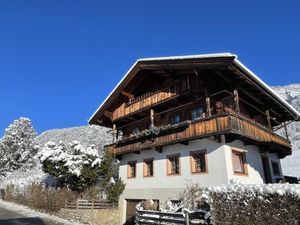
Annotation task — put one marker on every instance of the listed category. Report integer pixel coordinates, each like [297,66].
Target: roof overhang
[203,60]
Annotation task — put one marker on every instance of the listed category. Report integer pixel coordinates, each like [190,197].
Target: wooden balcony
[146,101]
[226,123]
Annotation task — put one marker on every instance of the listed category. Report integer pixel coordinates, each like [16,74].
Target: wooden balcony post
[236,100]
[268,119]
[114,132]
[208,110]
[151,118]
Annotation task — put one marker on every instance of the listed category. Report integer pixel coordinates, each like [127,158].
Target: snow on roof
[268,88]
[203,56]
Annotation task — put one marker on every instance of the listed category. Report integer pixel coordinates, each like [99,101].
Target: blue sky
[60,59]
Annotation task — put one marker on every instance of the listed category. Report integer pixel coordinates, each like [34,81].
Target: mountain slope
[86,135]
[291,164]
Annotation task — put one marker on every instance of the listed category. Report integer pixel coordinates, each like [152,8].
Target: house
[205,118]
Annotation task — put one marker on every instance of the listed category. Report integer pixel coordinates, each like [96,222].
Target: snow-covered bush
[80,168]
[18,146]
[263,204]
[71,164]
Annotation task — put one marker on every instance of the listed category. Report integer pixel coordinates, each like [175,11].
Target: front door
[130,210]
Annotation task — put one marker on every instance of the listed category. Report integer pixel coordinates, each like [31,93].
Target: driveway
[12,214]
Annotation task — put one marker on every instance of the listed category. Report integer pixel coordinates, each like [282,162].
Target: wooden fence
[86,204]
[145,217]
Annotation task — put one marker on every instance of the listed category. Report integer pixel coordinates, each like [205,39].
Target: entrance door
[130,210]
[267,171]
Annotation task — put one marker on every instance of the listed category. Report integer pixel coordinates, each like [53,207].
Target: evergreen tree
[17,147]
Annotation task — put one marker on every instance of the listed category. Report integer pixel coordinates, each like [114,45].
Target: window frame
[277,164]
[145,169]
[169,165]
[129,165]
[242,153]
[193,161]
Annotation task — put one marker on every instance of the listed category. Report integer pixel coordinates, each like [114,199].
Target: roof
[232,58]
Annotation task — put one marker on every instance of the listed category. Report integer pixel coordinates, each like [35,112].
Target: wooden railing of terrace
[224,123]
[147,100]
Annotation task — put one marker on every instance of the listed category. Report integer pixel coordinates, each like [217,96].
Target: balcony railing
[147,100]
[224,123]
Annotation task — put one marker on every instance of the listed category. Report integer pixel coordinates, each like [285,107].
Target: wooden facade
[226,123]
[173,101]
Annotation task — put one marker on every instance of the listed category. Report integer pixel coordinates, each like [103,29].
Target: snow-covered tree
[18,146]
[79,167]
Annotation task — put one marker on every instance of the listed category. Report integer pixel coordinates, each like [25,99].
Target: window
[135,131]
[198,162]
[131,172]
[275,168]
[148,167]
[197,113]
[173,165]
[239,162]
[175,119]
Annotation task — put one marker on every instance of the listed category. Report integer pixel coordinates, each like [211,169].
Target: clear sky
[59,59]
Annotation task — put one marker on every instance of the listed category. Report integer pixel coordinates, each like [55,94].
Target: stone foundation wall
[92,216]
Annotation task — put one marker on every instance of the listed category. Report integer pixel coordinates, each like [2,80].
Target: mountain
[291,164]
[86,135]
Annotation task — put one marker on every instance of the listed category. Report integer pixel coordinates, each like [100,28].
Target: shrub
[237,204]
[37,196]
[115,189]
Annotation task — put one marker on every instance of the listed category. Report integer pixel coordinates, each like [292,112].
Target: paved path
[13,217]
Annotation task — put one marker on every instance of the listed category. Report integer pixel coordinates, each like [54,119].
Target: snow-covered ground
[29,213]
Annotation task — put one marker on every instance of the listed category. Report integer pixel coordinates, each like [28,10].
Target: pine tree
[18,146]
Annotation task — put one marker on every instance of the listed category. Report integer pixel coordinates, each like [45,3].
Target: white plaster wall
[219,164]
[215,160]
[255,167]
[163,187]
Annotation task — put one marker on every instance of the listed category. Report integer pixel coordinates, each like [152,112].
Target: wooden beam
[158,149]
[184,142]
[114,132]
[128,95]
[151,118]
[223,138]
[268,119]
[236,100]
[108,115]
[285,130]
[208,109]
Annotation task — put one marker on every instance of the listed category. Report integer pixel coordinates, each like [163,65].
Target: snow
[73,156]
[251,190]
[291,164]
[29,213]
[93,136]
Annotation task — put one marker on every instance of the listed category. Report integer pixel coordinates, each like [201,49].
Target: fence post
[77,205]
[187,218]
